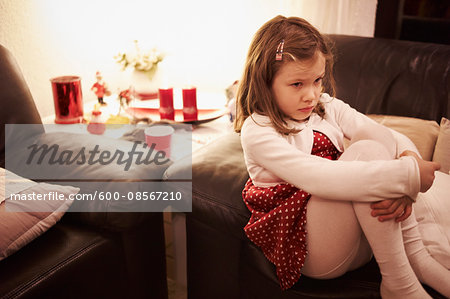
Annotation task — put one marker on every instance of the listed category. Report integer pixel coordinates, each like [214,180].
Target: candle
[190,104]
[166,110]
[68,99]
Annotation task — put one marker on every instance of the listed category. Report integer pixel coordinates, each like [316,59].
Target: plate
[204,115]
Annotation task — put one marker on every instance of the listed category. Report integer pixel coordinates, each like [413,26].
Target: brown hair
[301,42]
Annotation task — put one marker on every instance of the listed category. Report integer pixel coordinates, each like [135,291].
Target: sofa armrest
[109,221]
[218,178]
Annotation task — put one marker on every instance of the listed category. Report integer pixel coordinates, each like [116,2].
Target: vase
[146,86]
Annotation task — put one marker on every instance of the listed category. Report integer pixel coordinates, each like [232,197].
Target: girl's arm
[341,180]
[349,119]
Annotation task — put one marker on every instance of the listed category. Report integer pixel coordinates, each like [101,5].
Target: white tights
[342,234]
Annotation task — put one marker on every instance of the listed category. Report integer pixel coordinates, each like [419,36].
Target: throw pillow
[432,209]
[21,221]
[442,150]
[423,133]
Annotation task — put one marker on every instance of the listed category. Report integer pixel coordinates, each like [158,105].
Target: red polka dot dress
[278,221]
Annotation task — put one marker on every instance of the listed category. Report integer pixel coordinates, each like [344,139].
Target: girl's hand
[426,170]
[398,209]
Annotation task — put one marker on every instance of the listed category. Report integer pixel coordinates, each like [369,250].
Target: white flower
[141,61]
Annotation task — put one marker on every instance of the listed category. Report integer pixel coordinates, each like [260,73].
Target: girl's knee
[332,264]
[375,132]
[378,133]
[367,150]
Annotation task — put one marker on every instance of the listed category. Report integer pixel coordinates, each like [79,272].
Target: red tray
[204,115]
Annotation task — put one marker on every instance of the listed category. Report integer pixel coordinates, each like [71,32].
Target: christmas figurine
[96,124]
[125,98]
[100,88]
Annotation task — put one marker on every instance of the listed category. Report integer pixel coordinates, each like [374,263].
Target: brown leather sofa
[376,76]
[85,255]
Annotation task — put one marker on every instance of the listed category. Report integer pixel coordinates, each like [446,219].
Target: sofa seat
[68,260]
[361,283]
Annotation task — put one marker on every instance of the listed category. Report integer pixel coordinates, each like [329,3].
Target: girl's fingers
[385,209]
[398,209]
[392,215]
[382,205]
[406,214]
[436,166]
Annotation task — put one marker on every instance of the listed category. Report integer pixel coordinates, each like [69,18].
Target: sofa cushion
[392,77]
[361,283]
[442,150]
[423,133]
[432,212]
[69,261]
[22,221]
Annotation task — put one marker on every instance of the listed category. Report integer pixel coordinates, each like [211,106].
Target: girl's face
[297,86]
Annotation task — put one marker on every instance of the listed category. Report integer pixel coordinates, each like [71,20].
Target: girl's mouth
[306,109]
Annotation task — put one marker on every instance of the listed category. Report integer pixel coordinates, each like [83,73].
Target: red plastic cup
[161,136]
[68,99]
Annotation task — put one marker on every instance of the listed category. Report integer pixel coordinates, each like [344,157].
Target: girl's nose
[309,94]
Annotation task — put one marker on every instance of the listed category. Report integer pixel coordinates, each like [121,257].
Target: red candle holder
[190,111]
[68,99]
[166,110]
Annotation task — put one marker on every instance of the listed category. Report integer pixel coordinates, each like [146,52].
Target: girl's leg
[427,269]
[385,238]
[336,244]
[334,224]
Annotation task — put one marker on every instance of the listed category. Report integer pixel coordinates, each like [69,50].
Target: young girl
[317,210]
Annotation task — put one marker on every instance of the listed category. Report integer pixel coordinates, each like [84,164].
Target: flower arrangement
[146,62]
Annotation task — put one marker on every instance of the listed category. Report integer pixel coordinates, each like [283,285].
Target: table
[175,223]
[201,135]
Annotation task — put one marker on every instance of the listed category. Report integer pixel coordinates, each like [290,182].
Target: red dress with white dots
[278,221]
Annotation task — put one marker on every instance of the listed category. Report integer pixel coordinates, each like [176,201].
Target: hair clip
[279,55]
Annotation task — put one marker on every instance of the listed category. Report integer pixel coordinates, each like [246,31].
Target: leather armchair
[377,76]
[85,255]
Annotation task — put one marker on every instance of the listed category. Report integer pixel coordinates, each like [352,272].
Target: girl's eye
[297,84]
[319,80]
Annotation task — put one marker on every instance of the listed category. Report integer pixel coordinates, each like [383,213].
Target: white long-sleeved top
[273,158]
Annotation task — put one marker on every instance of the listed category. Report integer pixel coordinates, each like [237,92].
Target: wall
[205,41]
